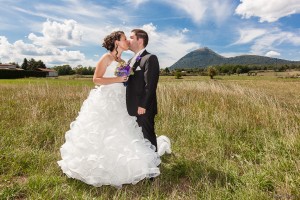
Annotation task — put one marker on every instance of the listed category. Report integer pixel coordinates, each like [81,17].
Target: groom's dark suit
[141,92]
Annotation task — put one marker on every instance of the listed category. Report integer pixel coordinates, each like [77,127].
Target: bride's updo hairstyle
[109,41]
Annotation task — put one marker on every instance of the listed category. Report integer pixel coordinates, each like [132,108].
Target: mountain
[205,57]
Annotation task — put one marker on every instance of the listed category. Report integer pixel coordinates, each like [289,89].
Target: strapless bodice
[110,70]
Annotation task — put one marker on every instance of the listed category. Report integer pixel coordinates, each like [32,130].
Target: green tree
[64,70]
[84,70]
[79,70]
[211,72]
[40,64]
[24,64]
[32,64]
[178,75]
[238,71]
[167,71]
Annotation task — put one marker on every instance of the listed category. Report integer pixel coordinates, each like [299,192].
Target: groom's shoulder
[149,58]
[153,57]
[150,55]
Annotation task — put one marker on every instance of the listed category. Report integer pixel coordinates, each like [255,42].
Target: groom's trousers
[146,121]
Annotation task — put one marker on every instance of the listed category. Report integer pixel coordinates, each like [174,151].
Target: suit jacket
[141,87]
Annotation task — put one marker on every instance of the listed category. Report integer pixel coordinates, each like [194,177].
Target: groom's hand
[141,111]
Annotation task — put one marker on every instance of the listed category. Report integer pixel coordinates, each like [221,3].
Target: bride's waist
[112,85]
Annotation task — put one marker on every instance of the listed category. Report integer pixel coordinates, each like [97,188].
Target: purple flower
[123,69]
[138,58]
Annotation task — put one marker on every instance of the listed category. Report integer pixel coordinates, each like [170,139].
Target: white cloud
[17,51]
[268,10]
[58,34]
[273,54]
[220,10]
[136,3]
[194,8]
[5,49]
[262,41]
[200,10]
[274,38]
[185,30]
[248,35]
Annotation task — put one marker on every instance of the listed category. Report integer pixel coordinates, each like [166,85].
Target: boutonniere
[138,58]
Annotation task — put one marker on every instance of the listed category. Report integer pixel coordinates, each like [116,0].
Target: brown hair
[109,41]
[141,34]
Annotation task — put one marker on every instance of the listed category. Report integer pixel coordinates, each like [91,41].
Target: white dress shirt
[135,56]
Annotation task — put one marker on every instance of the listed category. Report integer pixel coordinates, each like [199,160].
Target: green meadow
[234,137]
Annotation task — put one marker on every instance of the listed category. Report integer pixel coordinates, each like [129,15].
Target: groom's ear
[140,41]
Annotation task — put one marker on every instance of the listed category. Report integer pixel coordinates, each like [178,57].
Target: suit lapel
[137,63]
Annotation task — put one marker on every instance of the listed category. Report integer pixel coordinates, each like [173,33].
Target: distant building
[50,72]
[8,66]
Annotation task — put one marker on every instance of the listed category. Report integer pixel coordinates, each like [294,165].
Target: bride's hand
[122,79]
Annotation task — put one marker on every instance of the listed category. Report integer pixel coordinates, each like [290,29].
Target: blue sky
[71,31]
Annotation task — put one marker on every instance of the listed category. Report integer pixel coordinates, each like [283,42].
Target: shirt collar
[140,52]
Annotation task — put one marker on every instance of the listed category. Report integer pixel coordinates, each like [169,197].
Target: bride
[105,145]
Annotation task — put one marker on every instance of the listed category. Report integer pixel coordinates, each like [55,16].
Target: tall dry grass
[231,139]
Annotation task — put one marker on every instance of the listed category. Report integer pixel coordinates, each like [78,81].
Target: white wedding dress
[105,146]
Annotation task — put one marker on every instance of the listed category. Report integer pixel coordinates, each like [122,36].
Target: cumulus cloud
[50,47]
[5,49]
[17,51]
[58,34]
[267,10]
[272,54]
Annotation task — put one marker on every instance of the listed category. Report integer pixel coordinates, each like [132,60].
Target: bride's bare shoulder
[105,60]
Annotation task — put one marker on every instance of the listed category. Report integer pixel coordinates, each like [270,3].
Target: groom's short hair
[141,34]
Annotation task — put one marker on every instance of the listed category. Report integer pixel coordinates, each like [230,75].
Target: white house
[51,72]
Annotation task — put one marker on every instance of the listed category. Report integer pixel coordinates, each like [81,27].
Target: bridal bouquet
[123,69]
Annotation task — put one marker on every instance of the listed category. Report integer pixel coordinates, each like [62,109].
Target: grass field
[235,137]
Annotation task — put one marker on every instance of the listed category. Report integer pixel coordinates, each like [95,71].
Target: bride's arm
[98,78]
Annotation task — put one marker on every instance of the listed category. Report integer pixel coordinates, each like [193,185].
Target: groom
[141,89]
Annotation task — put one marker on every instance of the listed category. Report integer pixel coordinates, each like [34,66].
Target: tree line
[68,70]
[233,69]
[32,65]
[227,70]
[61,69]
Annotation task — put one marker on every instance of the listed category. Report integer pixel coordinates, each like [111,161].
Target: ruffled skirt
[104,145]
